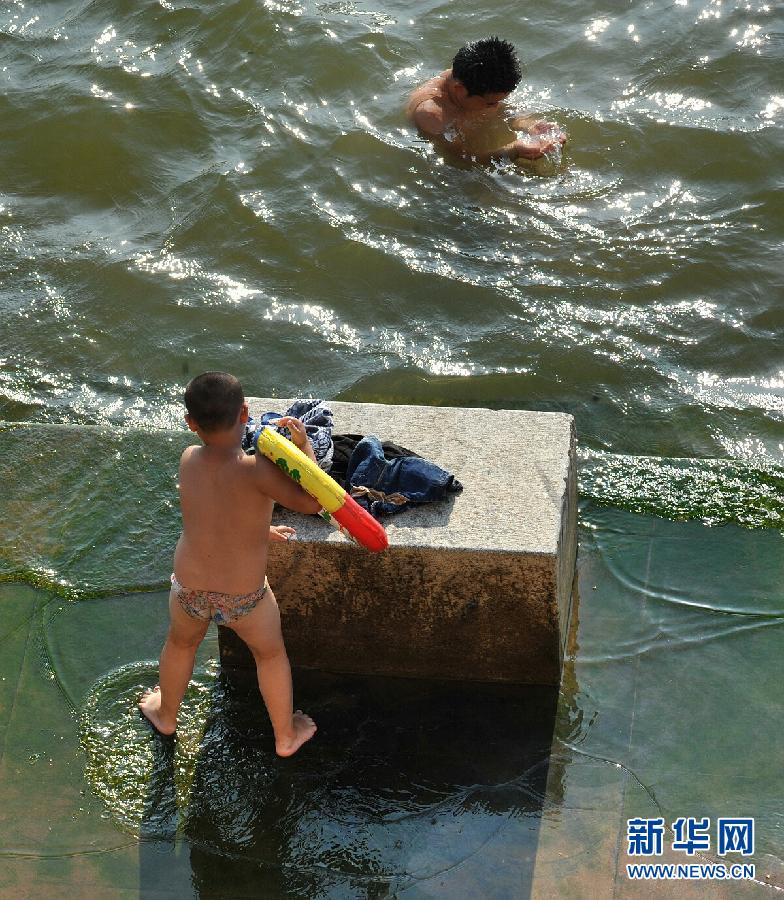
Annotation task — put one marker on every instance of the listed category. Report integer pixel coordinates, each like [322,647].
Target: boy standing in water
[221,557]
[460,110]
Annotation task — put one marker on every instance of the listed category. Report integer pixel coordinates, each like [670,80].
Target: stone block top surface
[513,465]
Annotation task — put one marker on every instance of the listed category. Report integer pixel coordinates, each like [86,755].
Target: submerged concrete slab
[477,587]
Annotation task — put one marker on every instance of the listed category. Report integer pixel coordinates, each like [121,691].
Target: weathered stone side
[477,587]
[418,612]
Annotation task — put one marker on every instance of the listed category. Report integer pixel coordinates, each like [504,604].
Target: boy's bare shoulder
[189,452]
[263,469]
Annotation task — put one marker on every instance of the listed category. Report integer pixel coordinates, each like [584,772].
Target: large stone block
[477,587]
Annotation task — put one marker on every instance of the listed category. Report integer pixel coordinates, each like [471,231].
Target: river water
[193,186]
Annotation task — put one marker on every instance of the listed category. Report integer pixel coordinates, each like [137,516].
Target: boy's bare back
[226,499]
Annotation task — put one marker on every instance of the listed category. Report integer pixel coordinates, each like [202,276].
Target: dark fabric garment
[385,486]
[343,445]
[314,415]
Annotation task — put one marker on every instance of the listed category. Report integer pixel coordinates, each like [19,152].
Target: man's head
[214,401]
[488,70]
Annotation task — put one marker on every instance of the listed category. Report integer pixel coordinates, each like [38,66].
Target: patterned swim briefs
[221,608]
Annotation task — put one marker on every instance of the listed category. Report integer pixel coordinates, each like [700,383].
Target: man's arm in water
[537,127]
[429,119]
[527,123]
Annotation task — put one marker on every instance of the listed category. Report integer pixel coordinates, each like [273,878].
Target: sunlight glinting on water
[321,321]
[593,259]
[219,288]
[742,393]
[774,107]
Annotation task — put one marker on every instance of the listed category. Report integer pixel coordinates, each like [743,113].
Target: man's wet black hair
[214,400]
[489,66]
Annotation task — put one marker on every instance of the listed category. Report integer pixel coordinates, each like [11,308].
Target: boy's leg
[260,629]
[161,704]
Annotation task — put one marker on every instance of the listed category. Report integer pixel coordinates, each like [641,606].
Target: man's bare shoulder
[430,117]
[433,91]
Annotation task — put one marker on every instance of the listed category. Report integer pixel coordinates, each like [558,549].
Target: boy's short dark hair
[214,400]
[489,66]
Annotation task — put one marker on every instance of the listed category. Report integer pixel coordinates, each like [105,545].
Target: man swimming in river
[461,109]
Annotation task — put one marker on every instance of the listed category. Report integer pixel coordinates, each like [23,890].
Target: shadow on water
[160,820]
[408,786]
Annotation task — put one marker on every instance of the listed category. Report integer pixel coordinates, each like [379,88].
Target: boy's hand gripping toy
[338,507]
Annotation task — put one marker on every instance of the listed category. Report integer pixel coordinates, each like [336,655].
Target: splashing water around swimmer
[546,137]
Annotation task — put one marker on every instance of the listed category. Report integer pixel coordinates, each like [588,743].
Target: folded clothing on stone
[382,476]
[344,446]
[388,485]
[315,416]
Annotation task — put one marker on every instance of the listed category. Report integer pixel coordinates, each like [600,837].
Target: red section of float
[361,524]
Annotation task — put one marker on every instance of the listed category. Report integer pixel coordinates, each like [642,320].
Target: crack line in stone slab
[9,634]
[12,707]
[675,600]
[72,855]
[48,656]
[678,644]
[638,662]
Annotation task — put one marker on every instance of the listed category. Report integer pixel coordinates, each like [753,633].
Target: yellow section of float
[301,469]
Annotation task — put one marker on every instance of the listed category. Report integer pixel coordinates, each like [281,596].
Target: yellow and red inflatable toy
[338,507]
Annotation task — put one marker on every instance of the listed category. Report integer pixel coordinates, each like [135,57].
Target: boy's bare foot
[150,706]
[303,729]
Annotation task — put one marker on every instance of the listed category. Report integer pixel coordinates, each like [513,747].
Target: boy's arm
[278,485]
[299,436]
